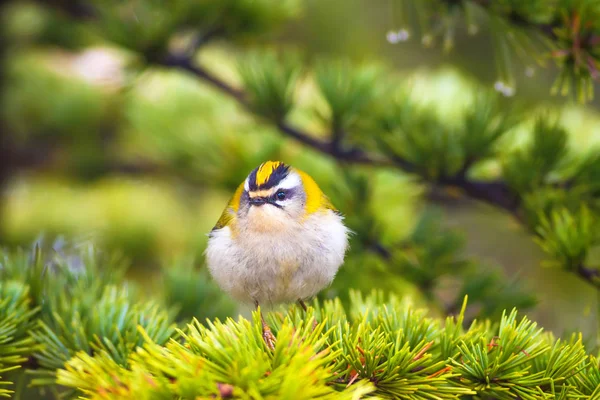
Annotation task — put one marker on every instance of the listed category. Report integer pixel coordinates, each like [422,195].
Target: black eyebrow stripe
[252,179]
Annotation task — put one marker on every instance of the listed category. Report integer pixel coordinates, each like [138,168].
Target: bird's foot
[305,308]
[268,337]
[314,324]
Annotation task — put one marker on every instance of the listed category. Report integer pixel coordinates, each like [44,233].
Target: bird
[279,240]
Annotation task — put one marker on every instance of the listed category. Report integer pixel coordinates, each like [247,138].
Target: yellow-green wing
[232,207]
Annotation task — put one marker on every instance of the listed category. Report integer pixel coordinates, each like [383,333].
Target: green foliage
[81,272]
[173,119]
[355,192]
[192,292]
[71,108]
[567,237]
[348,90]
[371,116]
[537,9]
[484,124]
[144,25]
[241,19]
[491,290]
[60,302]
[270,80]
[577,52]
[101,341]
[427,143]
[588,176]
[529,168]
[437,149]
[147,26]
[16,319]
[379,347]
[426,258]
[73,310]
[217,363]
[432,254]
[533,31]
[110,326]
[589,381]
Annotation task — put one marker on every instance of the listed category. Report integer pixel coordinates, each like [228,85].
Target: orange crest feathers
[265,170]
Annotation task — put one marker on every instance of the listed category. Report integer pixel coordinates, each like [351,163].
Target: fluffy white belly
[279,265]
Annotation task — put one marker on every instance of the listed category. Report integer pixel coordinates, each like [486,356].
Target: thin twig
[184,62]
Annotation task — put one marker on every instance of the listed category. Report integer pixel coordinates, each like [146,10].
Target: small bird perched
[279,240]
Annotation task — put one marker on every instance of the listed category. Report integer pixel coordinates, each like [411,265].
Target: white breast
[278,262]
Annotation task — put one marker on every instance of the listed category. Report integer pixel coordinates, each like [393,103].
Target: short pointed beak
[258,201]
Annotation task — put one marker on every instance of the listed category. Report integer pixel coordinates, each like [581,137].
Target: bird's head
[275,194]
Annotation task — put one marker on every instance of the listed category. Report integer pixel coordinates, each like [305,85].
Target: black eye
[280,195]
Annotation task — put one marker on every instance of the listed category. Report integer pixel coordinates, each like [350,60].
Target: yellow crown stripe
[265,170]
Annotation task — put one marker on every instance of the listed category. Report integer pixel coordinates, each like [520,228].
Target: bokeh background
[143,159]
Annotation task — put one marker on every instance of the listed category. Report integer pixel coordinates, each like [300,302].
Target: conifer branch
[184,62]
[495,193]
[378,346]
[352,155]
[375,344]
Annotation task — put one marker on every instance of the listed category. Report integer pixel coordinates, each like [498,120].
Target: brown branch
[590,275]
[184,62]
[496,193]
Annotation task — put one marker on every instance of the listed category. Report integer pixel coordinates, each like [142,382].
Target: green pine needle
[380,347]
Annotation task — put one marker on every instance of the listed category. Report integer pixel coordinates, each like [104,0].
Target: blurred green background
[143,160]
